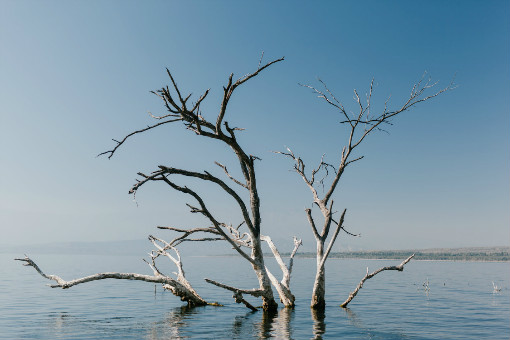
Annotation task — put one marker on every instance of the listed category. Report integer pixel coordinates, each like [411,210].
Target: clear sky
[74,74]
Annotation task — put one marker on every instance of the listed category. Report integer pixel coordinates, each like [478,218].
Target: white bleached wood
[400,268]
[283,286]
[179,287]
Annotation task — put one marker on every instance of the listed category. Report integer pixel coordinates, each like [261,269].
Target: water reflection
[175,323]
[271,325]
[353,318]
[319,326]
[61,322]
[242,325]
[372,332]
[282,326]
[266,324]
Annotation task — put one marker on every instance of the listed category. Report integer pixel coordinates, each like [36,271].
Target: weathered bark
[283,286]
[319,289]
[361,125]
[400,268]
[268,302]
[319,326]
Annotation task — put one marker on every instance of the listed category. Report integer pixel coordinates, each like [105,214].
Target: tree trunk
[268,302]
[319,285]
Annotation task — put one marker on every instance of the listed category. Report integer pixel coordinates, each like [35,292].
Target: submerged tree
[245,236]
[246,239]
[360,125]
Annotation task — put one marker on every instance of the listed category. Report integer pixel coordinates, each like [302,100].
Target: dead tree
[246,239]
[360,125]
[179,286]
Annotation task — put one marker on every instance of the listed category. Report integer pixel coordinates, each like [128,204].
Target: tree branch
[312,223]
[400,268]
[112,151]
[229,176]
[204,211]
[178,288]
[252,292]
[333,239]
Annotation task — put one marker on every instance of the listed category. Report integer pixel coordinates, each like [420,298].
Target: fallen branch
[238,293]
[400,268]
[180,287]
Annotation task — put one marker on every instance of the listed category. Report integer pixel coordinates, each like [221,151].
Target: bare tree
[360,125]
[246,239]
[179,109]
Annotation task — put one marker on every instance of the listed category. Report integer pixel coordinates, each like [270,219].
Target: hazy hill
[142,247]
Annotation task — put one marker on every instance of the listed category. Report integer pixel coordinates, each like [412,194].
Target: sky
[75,74]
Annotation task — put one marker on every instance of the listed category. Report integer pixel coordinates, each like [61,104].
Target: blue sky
[74,74]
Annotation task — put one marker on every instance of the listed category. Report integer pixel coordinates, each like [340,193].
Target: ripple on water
[393,305]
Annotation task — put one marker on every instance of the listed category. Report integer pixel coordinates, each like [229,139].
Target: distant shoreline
[479,254]
[468,254]
[140,247]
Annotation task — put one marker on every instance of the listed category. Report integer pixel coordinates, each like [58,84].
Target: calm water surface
[393,305]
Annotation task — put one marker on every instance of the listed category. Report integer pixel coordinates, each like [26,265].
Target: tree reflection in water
[319,326]
[272,325]
[174,324]
[283,328]
[266,325]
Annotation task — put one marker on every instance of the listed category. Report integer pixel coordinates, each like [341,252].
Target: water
[393,305]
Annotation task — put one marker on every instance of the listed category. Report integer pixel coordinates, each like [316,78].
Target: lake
[460,303]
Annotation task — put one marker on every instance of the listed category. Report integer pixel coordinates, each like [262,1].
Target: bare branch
[178,288]
[333,239]
[400,268]
[297,244]
[260,60]
[111,152]
[283,287]
[238,298]
[229,89]
[159,175]
[229,176]
[204,211]
[252,292]
[187,232]
[334,103]
[312,223]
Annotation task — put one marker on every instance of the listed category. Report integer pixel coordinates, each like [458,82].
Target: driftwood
[368,276]
[179,287]
[360,125]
